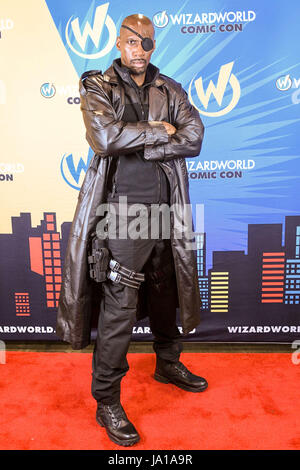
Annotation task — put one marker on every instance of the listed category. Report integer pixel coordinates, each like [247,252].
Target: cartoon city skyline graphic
[32,259]
[269,274]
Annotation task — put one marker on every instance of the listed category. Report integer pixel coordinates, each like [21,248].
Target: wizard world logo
[226,81]
[86,44]
[73,169]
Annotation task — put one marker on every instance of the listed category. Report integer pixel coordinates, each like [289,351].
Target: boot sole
[164,380]
[125,443]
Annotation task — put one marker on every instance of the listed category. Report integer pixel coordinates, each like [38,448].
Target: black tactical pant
[118,311]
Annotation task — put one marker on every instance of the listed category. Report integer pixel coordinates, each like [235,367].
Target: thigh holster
[102,266]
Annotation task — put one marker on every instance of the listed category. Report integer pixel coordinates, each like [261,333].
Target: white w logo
[101,18]
[225,77]
[161,19]
[284,83]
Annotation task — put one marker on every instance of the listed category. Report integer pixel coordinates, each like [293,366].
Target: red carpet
[251,403]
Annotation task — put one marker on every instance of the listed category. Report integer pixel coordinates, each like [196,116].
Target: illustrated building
[45,258]
[292,268]
[201,267]
[219,287]
[272,285]
[22,304]
[292,282]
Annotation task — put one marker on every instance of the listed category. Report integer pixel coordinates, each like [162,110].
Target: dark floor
[146,347]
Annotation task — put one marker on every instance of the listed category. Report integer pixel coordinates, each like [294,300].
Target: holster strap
[121,274]
[118,278]
[115,266]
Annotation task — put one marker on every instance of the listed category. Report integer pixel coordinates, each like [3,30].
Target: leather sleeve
[187,141]
[107,135]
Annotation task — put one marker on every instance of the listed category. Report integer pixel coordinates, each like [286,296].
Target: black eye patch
[147,43]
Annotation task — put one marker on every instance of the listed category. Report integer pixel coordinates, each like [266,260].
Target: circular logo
[73,169]
[161,19]
[66,173]
[283,83]
[225,78]
[94,32]
[47,90]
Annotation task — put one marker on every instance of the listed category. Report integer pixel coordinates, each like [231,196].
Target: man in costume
[141,126]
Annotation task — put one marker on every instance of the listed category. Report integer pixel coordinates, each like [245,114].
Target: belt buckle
[114,265]
[115,277]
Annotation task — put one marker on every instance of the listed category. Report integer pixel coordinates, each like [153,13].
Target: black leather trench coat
[102,105]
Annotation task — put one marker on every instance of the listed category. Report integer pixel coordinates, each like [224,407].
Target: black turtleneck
[140,180]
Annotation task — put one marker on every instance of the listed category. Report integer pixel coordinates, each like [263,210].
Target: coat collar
[116,69]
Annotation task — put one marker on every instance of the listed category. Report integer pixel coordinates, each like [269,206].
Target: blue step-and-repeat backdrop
[240,65]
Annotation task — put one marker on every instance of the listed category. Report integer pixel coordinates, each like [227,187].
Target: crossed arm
[160,140]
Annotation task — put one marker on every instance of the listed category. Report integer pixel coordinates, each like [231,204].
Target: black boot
[177,374]
[118,427]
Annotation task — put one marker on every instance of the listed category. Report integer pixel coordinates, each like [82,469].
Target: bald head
[133,55]
[139,23]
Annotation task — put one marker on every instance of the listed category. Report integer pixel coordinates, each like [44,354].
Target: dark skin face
[133,55]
